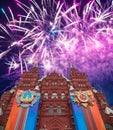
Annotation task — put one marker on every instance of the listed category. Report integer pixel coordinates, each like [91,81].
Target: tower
[79,80]
[8,100]
[29,79]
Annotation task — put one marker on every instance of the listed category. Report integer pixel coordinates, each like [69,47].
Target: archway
[56,124]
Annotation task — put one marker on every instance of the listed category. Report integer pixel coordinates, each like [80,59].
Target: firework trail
[55,36]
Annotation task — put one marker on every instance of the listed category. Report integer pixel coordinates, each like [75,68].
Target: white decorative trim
[12,90]
[42,78]
[95,91]
[37,88]
[71,88]
[108,110]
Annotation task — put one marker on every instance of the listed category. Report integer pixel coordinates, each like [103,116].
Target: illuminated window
[62,95]
[46,95]
[54,95]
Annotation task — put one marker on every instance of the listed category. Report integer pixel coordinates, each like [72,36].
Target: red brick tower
[79,80]
[28,81]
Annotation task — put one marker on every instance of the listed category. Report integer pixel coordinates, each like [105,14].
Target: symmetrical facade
[55,108]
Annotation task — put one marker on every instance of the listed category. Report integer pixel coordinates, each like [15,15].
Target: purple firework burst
[57,36]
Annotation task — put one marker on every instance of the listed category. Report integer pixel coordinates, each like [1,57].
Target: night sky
[106,86]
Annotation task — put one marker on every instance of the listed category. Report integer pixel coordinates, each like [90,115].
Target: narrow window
[50,110]
[59,111]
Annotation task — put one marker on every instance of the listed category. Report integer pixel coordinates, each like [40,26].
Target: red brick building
[55,110]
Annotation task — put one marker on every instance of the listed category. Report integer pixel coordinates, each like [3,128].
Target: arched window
[46,95]
[54,95]
[50,110]
[59,111]
[62,95]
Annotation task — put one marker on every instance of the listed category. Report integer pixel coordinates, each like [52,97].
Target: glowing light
[55,36]
[2,9]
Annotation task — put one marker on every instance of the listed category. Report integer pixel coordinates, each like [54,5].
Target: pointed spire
[37,88]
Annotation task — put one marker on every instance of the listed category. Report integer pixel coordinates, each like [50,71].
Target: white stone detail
[37,88]
[65,78]
[108,110]
[12,90]
[54,95]
[71,88]
[42,78]
[95,91]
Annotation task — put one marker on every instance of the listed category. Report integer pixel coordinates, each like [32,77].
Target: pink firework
[57,36]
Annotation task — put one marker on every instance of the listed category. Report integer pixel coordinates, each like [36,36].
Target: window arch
[54,95]
[46,95]
[62,95]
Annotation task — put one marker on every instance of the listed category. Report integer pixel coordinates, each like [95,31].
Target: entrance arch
[56,124]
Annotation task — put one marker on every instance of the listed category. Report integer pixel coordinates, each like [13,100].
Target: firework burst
[55,36]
